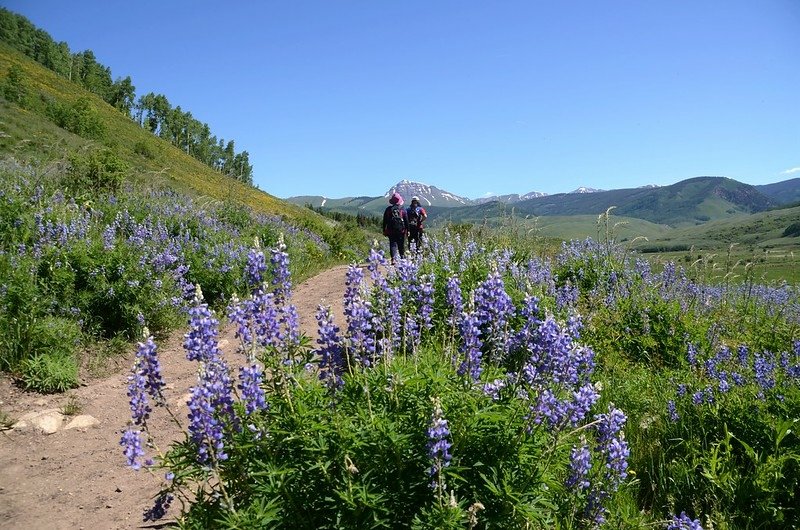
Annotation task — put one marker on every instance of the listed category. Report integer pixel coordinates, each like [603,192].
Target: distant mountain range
[688,202]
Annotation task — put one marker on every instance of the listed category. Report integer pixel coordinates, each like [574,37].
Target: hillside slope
[27,132]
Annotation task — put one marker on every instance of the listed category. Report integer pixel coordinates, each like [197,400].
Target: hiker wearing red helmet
[395,226]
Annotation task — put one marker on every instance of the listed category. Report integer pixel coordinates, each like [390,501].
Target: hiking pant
[415,238]
[397,245]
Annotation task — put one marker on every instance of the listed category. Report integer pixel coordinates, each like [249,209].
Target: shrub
[50,373]
[80,118]
[15,88]
[97,172]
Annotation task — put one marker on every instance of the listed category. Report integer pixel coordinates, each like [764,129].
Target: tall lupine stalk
[470,348]
[330,351]
[145,380]
[211,401]
[438,449]
[289,334]
[360,341]
[493,307]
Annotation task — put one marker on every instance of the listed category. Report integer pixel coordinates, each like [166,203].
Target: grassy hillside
[785,192]
[764,231]
[27,133]
[685,203]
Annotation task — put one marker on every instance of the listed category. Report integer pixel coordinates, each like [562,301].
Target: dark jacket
[388,229]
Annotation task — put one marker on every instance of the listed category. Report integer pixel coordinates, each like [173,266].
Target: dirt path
[76,478]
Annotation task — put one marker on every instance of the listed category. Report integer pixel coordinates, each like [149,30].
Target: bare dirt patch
[76,478]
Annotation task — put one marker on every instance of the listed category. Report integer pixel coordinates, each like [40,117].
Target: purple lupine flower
[454,299]
[567,296]
[691,354]
[375,261]
[205,431]
[290,321]
[358,313]
[425,295]
[211,410]
[438,445]
[528,334]
[150,368]
[617,453]
[612,445]
[266,320]
[411,334]
[493,307]
[470,346]
[764,371]
[201,340]
[549,407]
[580,463]
[697,397]
[137,392]
[255,268]
[281,277]
[159,508]
[239,314]
[132,448]
[493,388]
[722,382]
[683,522]
[672,411]
[583,400]
[595,510]
[331,364]
[250,380]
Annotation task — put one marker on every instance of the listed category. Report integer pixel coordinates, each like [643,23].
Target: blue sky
[343,98]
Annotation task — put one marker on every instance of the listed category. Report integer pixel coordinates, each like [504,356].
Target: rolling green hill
[685,203]
[28,131]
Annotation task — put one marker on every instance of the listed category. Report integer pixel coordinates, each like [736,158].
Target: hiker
[416,216]
[395,226]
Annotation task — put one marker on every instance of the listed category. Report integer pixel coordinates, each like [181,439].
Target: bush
[80,118]
[98,172]
[15,88]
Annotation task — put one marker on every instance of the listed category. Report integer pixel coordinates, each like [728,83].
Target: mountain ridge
[691,201]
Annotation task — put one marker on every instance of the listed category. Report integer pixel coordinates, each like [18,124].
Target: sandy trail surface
[76,478]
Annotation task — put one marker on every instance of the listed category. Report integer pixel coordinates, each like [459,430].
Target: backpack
[413,217]
[396,223]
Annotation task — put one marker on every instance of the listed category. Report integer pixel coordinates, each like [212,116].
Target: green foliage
[86,261]
[144,149]
[359,459]
[49,373]
[97,172]
[793,230]
[80,117]
[15,88]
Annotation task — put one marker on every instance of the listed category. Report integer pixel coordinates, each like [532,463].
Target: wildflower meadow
[483,386]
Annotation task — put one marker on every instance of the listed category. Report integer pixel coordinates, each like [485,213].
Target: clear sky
[344,98]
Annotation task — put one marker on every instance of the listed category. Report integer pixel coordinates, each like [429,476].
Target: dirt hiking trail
[76,477]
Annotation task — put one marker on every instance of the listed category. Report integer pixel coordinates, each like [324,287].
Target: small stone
[47,421]
[82,421]
[118,490]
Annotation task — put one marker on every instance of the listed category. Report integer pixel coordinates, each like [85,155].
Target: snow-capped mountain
[428,195]
[583,189]
[509,198]
[532,195]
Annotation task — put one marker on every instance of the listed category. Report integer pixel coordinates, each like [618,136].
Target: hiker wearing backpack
[416,216]
[395,226]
